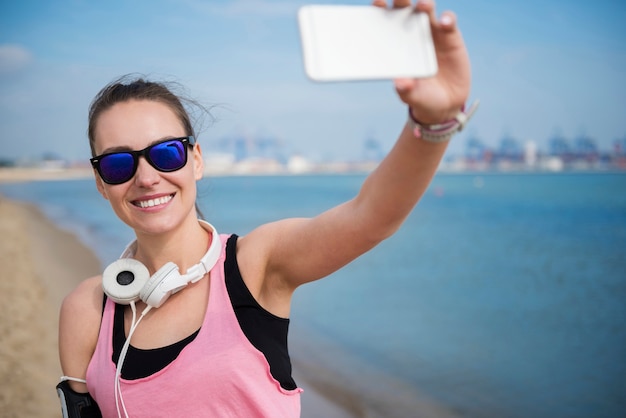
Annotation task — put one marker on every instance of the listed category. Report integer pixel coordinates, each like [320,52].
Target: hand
[437,99]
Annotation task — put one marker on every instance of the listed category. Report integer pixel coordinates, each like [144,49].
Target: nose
[146,175]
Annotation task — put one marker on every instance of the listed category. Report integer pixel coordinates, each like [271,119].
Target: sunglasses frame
[185,140]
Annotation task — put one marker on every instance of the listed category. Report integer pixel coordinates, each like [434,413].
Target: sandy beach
[41,265]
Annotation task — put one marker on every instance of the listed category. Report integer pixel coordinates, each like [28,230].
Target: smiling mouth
[153,202]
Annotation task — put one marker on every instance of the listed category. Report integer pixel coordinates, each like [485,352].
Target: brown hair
[136,88]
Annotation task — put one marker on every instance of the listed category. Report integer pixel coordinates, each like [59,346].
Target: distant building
[509,150]
[530,154]
[297,164]
[246,146]
[558,146]
[618,159]
[475,150]
[218,163]
[586,148]
[619,147]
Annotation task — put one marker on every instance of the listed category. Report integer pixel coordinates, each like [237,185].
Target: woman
[218,346]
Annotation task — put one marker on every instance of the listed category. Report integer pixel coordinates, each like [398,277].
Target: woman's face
[151,202]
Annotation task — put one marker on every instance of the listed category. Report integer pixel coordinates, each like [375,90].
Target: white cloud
[13,58]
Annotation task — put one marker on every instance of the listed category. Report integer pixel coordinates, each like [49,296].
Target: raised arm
[278,257]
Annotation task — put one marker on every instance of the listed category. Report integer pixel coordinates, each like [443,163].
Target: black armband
[76,405]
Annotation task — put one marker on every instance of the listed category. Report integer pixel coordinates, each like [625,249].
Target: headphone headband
[208,260]
[166,281]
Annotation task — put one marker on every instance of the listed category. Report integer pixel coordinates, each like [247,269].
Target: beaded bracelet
[441,132]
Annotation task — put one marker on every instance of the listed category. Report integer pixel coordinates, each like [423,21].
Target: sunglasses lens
[169,155]
[117,168]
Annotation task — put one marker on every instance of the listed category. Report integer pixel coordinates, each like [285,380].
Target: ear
[100,184]
[198,162]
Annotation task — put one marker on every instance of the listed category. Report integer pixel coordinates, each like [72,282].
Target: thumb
[404,86]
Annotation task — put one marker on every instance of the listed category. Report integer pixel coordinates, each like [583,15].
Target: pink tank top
[219,374]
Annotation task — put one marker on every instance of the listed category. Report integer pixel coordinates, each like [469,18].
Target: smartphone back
[341,43]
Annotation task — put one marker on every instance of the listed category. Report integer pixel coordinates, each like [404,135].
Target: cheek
[184,180]
[191,185]
[114,194]
[192,181]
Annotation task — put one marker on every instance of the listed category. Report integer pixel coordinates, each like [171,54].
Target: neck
[184,246]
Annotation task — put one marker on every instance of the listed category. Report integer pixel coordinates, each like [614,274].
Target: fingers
[401,3]
[404,85]
[396,3]
[447,21]
[428,7]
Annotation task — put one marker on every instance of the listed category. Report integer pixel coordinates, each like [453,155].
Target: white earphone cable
[72,379]
[120,362]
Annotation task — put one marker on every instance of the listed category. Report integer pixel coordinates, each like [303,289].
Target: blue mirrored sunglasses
[166,156]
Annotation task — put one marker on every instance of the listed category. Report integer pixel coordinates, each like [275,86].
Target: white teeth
[154,202]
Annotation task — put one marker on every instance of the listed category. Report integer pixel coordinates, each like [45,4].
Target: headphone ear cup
[123,280]
[152,293]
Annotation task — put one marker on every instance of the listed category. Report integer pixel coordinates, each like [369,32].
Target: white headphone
[128,280]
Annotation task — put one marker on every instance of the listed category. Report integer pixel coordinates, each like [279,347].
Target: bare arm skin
[79,324]
[278,257]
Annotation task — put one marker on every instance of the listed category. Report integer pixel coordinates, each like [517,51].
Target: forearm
[308,249]
[392,190]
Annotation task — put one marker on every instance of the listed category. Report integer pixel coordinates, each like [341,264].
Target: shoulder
[258,249]
[265,238]
[79,325]
[85,298]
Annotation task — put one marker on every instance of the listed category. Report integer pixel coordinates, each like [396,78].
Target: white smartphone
[342,43]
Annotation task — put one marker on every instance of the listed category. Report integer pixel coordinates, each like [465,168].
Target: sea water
[501,295]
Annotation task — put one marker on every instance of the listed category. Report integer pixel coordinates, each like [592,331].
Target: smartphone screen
[342,43]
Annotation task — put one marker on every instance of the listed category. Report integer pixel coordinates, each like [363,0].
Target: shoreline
[43,263]
[20,175]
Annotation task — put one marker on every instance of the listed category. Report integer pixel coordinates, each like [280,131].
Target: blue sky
[539,68]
